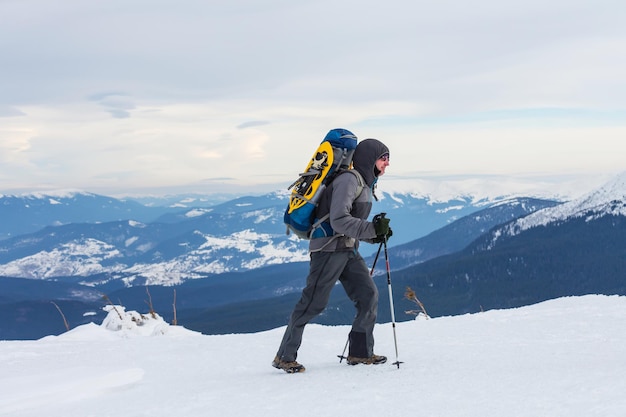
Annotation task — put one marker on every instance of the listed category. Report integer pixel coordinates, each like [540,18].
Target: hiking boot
[291,367]
[372,360]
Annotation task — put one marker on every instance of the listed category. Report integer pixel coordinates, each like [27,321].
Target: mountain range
[230,268]
[568,249]
[169,245]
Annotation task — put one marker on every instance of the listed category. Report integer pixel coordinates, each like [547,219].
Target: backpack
[334,155]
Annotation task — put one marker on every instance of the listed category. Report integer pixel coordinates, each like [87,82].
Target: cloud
[119,113]
[116,104]
[8,111]
[173,92]
[254,123]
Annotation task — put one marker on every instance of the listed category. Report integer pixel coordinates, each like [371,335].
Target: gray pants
[325,269]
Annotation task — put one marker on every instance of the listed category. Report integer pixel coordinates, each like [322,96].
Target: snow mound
[133,324]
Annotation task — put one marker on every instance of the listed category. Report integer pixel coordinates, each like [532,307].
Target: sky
[151,96]
[563,357]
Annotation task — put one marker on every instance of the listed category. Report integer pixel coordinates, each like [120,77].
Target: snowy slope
[559,358]
[609,199]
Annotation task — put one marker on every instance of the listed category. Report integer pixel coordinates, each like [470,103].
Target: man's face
[382,163]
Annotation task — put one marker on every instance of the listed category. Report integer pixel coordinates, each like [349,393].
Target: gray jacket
[349,211]
[348,215]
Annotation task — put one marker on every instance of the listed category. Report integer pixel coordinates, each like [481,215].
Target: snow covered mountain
[608,200]
[460,233]
[190,242]
[578,251]
[574,248]
[29,213]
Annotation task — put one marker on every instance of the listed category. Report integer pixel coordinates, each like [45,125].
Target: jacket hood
[365,156]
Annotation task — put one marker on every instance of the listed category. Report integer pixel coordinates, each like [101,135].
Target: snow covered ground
[565,357]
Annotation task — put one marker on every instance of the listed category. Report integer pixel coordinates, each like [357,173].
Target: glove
[381,224]
[380,239]
[381,227]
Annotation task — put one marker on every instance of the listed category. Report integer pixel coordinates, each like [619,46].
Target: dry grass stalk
[411,296]
[67,326]
[175,320]
[108,300]
[149,302]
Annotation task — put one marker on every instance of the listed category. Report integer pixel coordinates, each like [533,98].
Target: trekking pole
[393,317]
[343,355]
[376,259]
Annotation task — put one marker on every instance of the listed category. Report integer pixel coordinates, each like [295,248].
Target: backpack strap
[360,181]
[359,190]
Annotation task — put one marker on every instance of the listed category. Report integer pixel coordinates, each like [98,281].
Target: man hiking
[334,256]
